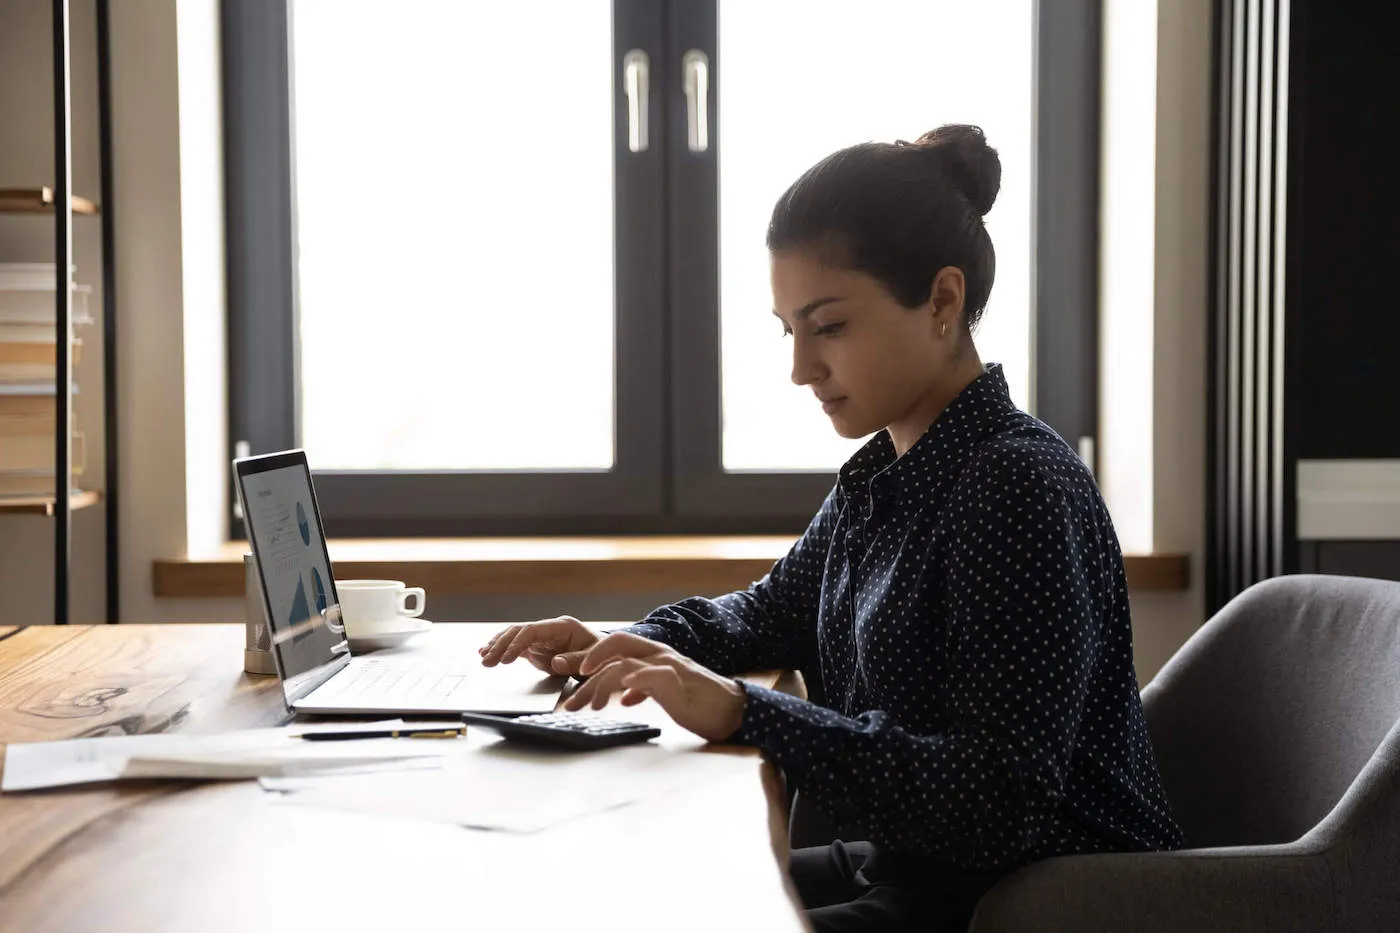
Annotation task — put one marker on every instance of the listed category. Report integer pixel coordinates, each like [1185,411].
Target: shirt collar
[927,466]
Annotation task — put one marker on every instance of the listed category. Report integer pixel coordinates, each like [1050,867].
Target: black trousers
[847,887]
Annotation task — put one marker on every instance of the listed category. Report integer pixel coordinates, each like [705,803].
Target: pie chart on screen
[319,590]
[300,612]
[303,525]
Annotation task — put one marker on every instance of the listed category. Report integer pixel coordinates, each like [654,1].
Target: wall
[1184,28]
[1184,114]
[1343,234]
[168,176]
[1157,268]
[1343,231]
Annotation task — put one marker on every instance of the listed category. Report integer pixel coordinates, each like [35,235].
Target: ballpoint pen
[437,732]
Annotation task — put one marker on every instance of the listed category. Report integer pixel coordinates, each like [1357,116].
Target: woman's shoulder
[1025,455]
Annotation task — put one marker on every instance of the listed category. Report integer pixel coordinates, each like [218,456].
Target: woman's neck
[906,432]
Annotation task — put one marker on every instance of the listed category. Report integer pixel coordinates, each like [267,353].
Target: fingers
[632,697]
[496,647]
[540,657]
[602,684]
[534,635]
[537,641]
[589,691]
[618,673]
[566,662]
[617,645]
[661,681]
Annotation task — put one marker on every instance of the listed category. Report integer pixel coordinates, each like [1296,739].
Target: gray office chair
[1276,730]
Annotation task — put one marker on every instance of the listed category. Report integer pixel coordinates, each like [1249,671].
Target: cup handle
[407,594]
[334,620]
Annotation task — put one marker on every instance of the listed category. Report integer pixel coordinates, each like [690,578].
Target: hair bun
[970,164]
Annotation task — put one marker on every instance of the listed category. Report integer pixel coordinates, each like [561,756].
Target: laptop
[314,663]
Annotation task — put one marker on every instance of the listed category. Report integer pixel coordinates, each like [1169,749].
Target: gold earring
[943,329]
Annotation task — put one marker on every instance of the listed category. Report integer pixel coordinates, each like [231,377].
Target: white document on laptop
[247,753]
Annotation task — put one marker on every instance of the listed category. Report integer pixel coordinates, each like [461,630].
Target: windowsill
[539,566]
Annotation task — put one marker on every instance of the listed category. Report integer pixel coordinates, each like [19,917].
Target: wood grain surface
[690,564]
[158,856]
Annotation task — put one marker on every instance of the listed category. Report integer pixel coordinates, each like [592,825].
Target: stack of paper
[249,753]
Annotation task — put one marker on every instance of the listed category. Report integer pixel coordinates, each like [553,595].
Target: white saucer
[389,639]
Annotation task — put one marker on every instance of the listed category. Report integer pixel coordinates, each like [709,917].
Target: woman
[959,600]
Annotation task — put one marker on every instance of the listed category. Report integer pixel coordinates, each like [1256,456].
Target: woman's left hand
[698,699]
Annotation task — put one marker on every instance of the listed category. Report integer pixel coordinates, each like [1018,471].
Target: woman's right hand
[553,645]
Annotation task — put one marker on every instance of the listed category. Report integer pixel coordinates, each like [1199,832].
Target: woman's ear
[945,298]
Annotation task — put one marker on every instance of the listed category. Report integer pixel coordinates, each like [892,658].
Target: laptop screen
[284,528]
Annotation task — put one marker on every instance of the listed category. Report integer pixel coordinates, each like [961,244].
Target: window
[796,88]
[454,248]
[502,271]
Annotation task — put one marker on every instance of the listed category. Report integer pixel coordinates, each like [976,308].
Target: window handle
[696,72]
[636,83]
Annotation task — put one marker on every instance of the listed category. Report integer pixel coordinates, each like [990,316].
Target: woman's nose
[806,367]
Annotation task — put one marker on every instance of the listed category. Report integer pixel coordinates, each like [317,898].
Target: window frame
[1065,220]
[668,476]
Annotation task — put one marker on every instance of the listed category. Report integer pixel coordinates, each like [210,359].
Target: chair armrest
[1278,888]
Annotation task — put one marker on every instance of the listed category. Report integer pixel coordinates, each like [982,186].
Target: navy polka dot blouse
[962,613]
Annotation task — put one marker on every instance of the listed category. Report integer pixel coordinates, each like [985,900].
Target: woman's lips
[832,405]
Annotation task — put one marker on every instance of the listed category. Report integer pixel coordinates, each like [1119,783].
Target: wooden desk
[209,857]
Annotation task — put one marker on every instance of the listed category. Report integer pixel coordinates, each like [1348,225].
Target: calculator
[565,730]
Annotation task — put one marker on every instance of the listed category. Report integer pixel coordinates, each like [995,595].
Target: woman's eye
[787,331]
[828,330]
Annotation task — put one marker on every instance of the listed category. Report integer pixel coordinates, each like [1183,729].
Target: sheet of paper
[280,784]
[511,788]
[247,753]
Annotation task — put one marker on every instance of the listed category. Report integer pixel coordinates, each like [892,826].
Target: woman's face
[869,361]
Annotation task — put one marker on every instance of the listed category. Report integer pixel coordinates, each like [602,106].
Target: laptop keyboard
[393,681]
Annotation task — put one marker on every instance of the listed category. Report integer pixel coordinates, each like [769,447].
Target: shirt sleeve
[772,624]
[1024,594]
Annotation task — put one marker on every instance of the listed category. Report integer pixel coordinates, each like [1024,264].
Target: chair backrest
[1269,711]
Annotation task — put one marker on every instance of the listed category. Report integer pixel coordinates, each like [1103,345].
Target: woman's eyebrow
[806,310]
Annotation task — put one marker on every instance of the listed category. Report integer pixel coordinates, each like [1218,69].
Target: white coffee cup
[372,606]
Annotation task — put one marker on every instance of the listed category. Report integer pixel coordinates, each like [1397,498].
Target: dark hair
[899,212]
